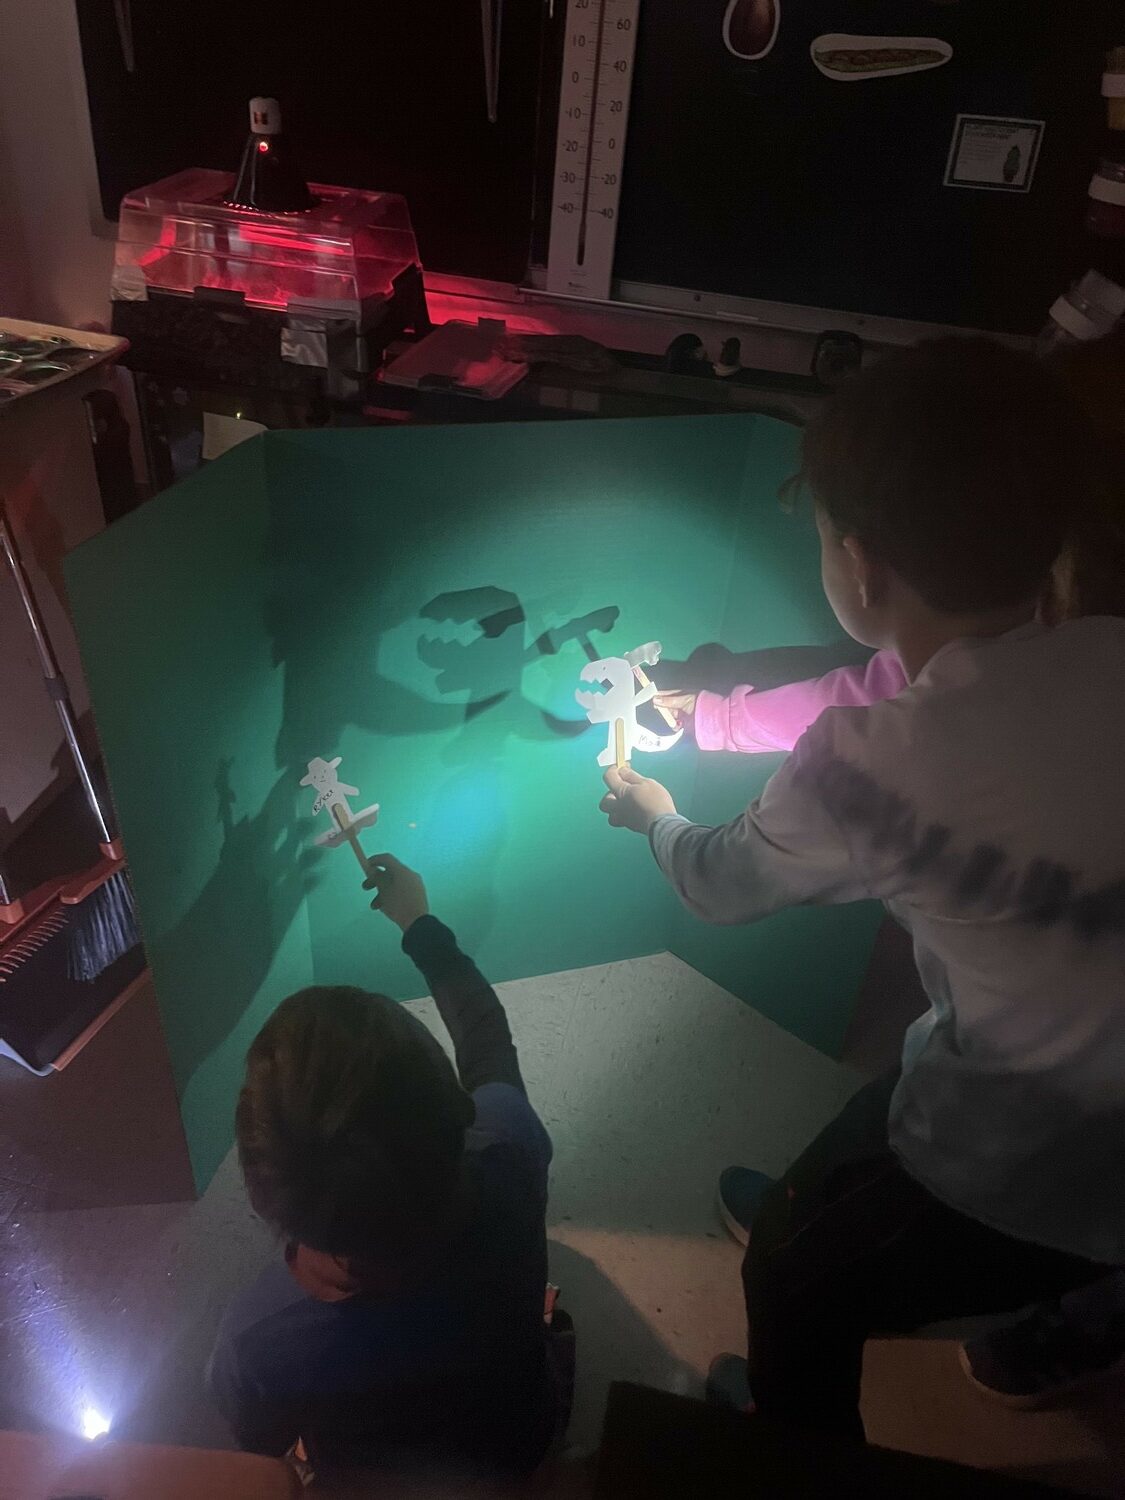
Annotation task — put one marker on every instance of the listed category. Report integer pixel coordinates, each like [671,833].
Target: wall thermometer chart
[597,77]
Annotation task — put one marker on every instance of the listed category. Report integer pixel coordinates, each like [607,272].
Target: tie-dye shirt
[985,804]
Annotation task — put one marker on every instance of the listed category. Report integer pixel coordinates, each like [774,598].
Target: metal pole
[52,676]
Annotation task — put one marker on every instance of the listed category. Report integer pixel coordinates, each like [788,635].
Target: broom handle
[56,683]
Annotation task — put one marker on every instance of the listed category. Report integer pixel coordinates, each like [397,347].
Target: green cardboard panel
[421,601]
[429,671]
[802,967]
[170,605]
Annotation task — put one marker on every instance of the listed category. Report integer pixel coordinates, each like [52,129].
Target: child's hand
[400,893]
[634,801]
[680,705]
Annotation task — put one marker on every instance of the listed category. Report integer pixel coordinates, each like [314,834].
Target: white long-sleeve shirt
[985,804]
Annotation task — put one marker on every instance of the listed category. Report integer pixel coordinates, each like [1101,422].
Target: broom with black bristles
[101,923]
[104,925]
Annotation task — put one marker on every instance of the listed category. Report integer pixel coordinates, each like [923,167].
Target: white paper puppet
[618,705]
[332,794]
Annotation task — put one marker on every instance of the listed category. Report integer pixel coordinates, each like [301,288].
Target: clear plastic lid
[179,234]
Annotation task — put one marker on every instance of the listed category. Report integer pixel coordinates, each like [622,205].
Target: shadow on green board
[221,949]
[487,655]
[471,644]
[421,603]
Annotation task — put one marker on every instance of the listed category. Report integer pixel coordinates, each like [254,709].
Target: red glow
[324,257]
[263,145]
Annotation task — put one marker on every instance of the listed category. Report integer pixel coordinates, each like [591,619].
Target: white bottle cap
[1099,290]
[1073,321]
[265,116]
[1106,189]
[1090,308]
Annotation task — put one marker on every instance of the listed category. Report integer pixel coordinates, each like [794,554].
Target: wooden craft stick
[619,740]
[665,713]
[351,835]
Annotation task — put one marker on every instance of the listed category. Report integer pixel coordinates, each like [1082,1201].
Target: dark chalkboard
[767,179]
[758,179]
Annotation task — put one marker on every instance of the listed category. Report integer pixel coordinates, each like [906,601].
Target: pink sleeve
[776,719]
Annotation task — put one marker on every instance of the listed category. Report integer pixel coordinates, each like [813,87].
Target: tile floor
[650,1079]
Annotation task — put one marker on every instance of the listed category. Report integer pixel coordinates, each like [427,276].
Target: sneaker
[727,1384]
[1039,1361]
[740,1192]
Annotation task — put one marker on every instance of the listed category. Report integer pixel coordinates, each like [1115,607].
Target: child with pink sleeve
[753,723]
[983,804]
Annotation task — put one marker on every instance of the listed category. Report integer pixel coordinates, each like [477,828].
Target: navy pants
[847,1246]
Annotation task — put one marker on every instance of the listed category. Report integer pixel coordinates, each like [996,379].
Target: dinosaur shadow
[482,655]
[472,643]
[359,650]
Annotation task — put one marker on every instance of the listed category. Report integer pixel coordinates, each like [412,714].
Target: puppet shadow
[473,642]
[486,657]
[223,946]
[341,616]
[327,609]
[326,690]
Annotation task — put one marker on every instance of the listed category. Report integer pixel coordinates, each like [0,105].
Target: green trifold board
[420,602]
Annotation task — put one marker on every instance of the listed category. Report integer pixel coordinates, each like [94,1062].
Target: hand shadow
[222,948]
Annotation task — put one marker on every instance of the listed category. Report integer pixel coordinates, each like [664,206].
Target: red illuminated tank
[336,257]
[258,298]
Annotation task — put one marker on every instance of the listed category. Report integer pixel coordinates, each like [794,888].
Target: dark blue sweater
[452,1372]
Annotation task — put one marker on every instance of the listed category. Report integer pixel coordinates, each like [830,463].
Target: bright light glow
[94,1425]
[263,146]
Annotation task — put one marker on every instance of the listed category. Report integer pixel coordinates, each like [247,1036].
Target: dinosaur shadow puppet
[483,649]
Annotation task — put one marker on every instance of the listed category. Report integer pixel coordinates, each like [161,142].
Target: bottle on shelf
[1088,309]
[267,178]
[1092,306]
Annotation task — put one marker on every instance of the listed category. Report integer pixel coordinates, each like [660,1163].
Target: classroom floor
[650,1078]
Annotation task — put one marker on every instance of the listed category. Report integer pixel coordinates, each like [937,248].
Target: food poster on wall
[993,153]
[809,156]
